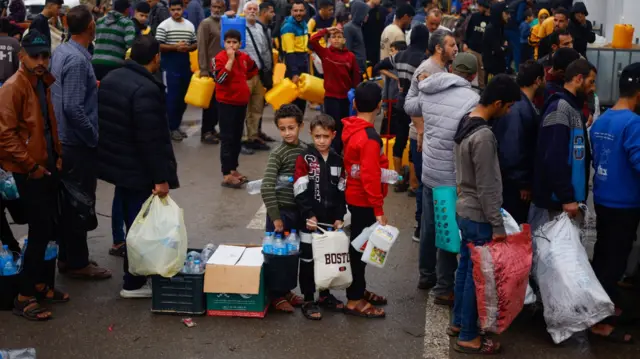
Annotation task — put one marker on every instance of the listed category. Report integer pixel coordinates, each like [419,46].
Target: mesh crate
[180,294]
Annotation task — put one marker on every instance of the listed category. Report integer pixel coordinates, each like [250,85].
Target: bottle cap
[286,233]
[293,231]
[290,179]
[400,178]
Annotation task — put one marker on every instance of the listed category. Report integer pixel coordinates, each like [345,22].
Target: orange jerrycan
[278,73]
[281,94]
[622,36]
[193,60]
[200,91]
[311,88]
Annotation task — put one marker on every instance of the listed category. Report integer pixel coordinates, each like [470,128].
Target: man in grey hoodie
[353,33]
[479,187]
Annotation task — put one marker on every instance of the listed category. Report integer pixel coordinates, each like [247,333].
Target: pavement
[97,323]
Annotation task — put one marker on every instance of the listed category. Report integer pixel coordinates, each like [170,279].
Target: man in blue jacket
[616,193]
[294,37]
[516,8]
[563,156]
[516,135]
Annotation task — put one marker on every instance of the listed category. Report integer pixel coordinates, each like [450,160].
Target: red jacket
[231,86]
[363,147]
[341,72]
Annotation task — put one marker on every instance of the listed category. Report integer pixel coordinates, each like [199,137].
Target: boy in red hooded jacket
[365,192]
[341,74]
[232,68]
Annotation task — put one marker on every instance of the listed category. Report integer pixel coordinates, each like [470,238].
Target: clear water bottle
[253,187]
[267,243]
[284,181]
[279,246]
[6,258]
[207,252]
[197,267]
[194,255]
[188,265]
[51,252]
[387,176]
[292,243]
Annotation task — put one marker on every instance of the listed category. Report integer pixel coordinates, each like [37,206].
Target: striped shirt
[171,32]
[276,193]
[114,35]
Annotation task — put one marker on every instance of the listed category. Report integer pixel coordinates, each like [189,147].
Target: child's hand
[382,220]
[312,223]
[337,224]
[231,54]
[279,225]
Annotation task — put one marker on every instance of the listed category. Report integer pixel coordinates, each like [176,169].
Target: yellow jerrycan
[311,88]
[622,36]
[276,56]
[200,91]
[281,94]
[193,60]
[278,73]
[387,148]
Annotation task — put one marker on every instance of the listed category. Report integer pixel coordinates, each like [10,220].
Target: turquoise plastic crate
[447,232]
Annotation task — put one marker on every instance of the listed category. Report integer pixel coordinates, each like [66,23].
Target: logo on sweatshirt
[578,148]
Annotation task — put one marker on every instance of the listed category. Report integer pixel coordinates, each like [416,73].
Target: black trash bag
[79,205]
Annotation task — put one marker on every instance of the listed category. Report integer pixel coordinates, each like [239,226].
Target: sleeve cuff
[378,211]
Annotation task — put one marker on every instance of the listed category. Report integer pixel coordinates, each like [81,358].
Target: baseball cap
[35,43]
[631,74]
[465,63]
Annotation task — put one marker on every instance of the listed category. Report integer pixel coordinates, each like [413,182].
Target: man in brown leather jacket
[29,147]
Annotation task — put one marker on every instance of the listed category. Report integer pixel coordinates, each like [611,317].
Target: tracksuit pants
[337,108]
[231,120]
[177,84]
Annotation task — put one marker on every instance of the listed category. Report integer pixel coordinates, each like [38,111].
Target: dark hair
[176,3]
[143,7]
[54,2]
[500,88]
[554,38]
[399,45]
[232,34]
[629,83]
[288,111]
[265,5]
[563,57]
[323,4]
[323,120]
[578,67]
[5,25]
[405,10]
[529,72]
[297,2]
[561,11]
[368,97]
[78,19]
[342,16]
[528,13]
[121,5]
[144,49]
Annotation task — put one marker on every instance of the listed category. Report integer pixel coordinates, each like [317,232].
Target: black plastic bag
[79,205]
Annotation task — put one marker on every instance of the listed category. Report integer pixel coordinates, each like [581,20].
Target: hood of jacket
[467,127]
[579,8]
[353,125]
[112,17]
[542,12]
[441,81]
[496,14]
[359,11]
[419,38]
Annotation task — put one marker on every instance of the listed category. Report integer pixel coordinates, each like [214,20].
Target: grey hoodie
[353,33]
[478,173]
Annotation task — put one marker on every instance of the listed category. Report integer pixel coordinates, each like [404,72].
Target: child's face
[289,129]
[231,44]
[322,138]
[393,51]
[337,40]
[141,17]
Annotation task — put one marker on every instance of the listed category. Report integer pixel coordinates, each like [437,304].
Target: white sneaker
[144,292]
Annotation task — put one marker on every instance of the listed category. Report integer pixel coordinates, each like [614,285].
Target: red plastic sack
[501,274]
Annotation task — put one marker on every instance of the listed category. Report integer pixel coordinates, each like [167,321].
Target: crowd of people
[498,106]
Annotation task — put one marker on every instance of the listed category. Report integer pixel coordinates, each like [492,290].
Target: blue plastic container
[352,96]
[447,232]
[233,23]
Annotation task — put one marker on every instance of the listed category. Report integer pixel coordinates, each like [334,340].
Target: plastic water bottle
[207,252]
[284,181]
[196,267]
[388,176]
[279,246]
[292,243]
[253,187]
[8,267]
[194,255]
[267,243]
[51,252]
[188,265]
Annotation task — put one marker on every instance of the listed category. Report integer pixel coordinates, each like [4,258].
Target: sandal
[243,179]
[56,297]
[487,347]
[616,336]
[374,299]
[364,309]
[294,300]
[30,310]
[311,311]
[282,305]
[232,182]
[331,303]
[119,250]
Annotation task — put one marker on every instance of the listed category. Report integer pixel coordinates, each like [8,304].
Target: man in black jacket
[134,151]
[580,28]
[516,136]
[494,42]
[474,34]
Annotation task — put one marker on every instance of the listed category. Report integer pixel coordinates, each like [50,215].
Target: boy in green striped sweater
[277,192]
[114,35]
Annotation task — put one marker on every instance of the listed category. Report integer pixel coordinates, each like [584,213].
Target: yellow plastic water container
[200,91]
[281,94]
[622,36]
[278,73]
[276,56]
[311,88]
[387,148]
[193,60]
[127,55]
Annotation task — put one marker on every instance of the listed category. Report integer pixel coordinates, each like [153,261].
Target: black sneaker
[416,235]
[425,284]
[266,137]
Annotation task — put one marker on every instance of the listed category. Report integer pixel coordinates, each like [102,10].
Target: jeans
[117,219]
[132,201]
[209,117]
[513,37]
[231,119]
[465,308]
[177,85]
[416,157]
[338,109]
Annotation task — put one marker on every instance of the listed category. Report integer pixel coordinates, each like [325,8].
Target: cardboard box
[234,282]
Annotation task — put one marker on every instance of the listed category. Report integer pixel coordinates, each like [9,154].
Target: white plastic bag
[360,242]
[332,267]
[572,296]
[588,232]
[157,240]
[379,245]
[317,62]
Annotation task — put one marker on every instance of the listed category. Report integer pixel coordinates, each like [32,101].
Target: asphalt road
[96,323]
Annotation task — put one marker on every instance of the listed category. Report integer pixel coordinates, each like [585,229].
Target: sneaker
[416,235]
[143,292]
[183,134]
[246,150]
[209,138]
[260,146]
[425,284]
[266,138]
[176,136]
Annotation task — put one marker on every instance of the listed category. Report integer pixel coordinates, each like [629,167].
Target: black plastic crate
[180,294]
